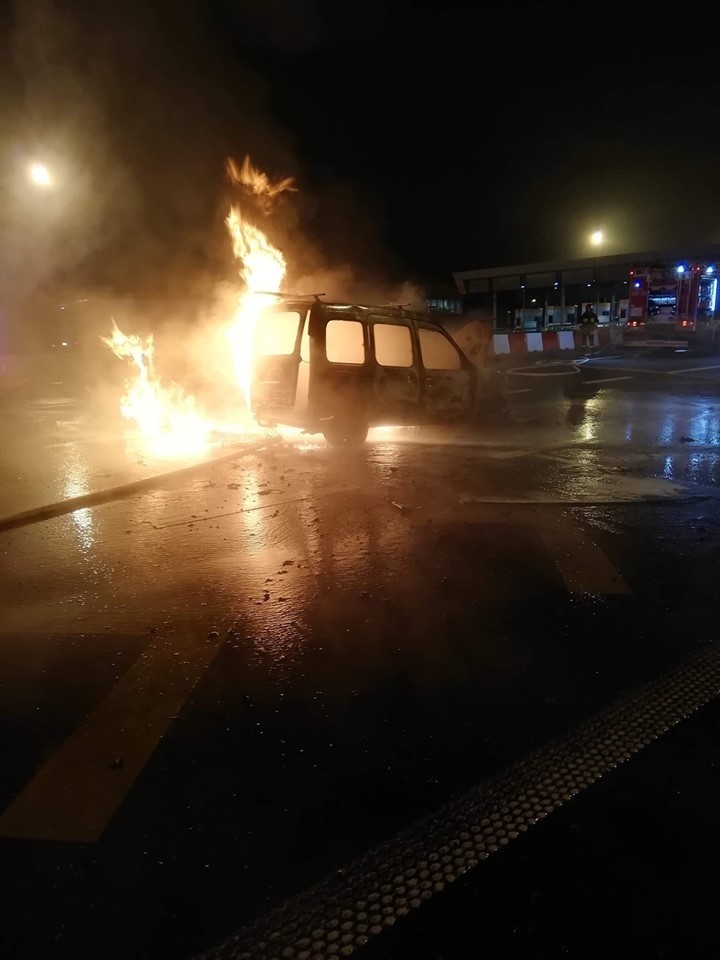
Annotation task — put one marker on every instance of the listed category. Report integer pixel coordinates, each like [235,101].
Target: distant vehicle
[666,299]
[340,368]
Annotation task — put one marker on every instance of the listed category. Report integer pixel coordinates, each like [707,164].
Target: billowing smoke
[134,109]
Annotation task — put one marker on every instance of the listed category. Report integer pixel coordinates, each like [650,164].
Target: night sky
[425,137]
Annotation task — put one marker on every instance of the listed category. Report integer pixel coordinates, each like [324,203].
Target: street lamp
[39,174]
[596,238]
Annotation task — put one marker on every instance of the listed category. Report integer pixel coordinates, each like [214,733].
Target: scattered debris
[403,507]
[232,486]
[212,634]
[288,563]
[117,764]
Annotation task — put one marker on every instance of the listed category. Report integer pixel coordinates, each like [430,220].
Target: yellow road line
[76,793]
[583,565]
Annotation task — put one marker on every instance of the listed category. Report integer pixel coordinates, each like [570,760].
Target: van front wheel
[345,433]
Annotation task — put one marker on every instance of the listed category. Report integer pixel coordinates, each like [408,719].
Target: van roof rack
[290,296]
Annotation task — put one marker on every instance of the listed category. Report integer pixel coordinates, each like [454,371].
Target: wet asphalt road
[218,691]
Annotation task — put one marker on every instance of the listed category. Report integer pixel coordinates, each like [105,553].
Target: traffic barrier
[551,340]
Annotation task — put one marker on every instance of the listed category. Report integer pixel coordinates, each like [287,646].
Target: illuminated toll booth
[662,293]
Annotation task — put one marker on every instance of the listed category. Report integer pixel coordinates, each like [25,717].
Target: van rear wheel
[345,433]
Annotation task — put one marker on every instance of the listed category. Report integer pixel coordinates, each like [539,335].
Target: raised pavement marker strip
[342,912]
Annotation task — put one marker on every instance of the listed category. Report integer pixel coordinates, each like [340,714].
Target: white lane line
[509,454]
[608,380]
[583,565]
[522,390]
[675,373]
[76,793]
[647,372]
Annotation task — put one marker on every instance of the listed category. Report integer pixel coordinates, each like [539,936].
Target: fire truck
[666,300]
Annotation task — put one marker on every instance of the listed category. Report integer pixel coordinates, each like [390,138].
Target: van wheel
[345,433]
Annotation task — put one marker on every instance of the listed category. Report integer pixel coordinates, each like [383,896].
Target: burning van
[340,368]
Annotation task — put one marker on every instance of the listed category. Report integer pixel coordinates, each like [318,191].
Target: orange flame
[258,183]
[167,418]
[262,268]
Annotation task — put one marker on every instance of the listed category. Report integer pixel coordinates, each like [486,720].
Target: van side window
[393,345]
[344,341]
[438,353]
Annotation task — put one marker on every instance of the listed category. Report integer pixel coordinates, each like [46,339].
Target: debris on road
[403,507]
[117,764]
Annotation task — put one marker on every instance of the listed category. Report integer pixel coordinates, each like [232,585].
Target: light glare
[39,175]
[597,238]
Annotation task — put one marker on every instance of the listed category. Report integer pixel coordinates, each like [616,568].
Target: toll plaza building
[645,294]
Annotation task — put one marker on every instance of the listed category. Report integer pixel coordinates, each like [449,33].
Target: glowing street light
[596,238]
[39,175]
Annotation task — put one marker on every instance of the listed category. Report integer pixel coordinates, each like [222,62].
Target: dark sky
[425,137]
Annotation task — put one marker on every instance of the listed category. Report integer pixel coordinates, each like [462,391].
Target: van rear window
[276,333]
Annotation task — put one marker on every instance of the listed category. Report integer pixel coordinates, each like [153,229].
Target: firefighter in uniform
[588,325]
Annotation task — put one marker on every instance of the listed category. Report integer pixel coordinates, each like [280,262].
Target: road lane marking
[76,793]
[608,380]
[533,451]
[663,373]
[523,390]
[189,521]
[583,565]
[398,876]
[675,373]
